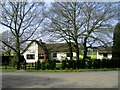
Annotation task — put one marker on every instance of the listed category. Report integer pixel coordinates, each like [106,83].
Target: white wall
[100,56]
[109,56]
[61,56]
[33,49]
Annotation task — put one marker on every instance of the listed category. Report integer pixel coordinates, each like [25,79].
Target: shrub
[108,63]
[97,64]
[64,64]
[78,64]
[13,61]
[52,65]
[43,66]
[74,64]
[89,64]
[38,65]
[115,63]
[71,64]
[58,66]
[83,64]
[103,63]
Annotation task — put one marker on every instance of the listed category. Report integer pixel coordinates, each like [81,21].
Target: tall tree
[87,22]
[97,26]
[23,19]
[65,22]
[116,42]
[8,38]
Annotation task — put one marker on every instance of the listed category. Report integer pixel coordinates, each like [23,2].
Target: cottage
[103,52]
[60,51]
[35,51]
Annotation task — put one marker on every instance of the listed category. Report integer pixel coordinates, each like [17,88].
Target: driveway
[100,79]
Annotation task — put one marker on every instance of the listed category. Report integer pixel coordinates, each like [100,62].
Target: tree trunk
[77,53]
[71,52]
[77,50]
[85,48]
[18,56]
[85,52]
[9,52]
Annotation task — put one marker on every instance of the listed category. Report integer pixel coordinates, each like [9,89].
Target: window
[105,55]
[54,54]
[41,56]
[68,54]
[30,56]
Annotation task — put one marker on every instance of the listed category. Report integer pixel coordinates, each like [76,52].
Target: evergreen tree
[116,42]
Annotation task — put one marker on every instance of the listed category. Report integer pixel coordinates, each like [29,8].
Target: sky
[64,0]
[3,28]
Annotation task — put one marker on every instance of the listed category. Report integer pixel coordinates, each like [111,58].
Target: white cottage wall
[61,56]
[100,56]
[33,49]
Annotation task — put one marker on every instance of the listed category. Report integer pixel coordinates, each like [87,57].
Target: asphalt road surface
[99,79]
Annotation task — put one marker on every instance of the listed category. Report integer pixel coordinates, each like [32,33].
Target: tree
[116,42]
[8,38]
[65,22]
[97,26]
[23,19]
[87,22]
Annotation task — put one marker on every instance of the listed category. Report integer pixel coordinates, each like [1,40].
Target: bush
[97,64]
[64,64]
[83,64]
[43,66]
[115,63]
[13,61]
[108,63]
[38,65]
[58,66]
[71,64]
[78,64]
[52,65]
[103,63]
[57,61]
[89,64]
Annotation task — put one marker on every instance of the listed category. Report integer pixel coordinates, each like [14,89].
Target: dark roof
[58,47]
[41,44]
[102,50]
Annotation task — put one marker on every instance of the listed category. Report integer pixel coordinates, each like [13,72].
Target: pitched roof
[41,44]
[102,50]
[59,47]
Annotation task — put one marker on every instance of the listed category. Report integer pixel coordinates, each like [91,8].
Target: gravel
[99,79]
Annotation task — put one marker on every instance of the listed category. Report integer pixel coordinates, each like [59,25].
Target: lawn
[11,69]
[92,56]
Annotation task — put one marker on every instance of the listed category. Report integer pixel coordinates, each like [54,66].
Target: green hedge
[80,64]
[73,64]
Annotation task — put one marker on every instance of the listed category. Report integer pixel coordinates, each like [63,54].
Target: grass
[8,69]
[11,69]
[92,56]
[75,70]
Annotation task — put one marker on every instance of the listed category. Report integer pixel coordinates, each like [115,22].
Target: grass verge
[66,70]
[74,70]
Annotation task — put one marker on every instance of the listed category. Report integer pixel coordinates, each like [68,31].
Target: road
[99,79]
